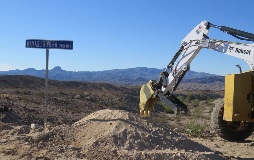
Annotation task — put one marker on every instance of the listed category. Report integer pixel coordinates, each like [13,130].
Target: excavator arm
[168,81]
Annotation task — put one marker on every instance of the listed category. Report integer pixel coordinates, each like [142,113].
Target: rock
[77,96]
[23,130]
[114,151]
[128,146]
[251,144]
[34,126]
[3,140]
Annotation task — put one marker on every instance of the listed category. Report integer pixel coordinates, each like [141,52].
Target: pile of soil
[105,134]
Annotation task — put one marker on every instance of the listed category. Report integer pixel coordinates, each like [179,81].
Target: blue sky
[117,34]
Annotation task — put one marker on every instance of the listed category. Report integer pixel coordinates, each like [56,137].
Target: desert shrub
[195,102]
[40,94]
[22,91]
[196,126]
[195,129]
[209,102]
[197,113]
[5,96]
[18,91]
[187,99]
[27,99]
[181,98]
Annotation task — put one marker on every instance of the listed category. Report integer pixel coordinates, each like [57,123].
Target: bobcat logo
[230,48]
[243,51]
[239,50]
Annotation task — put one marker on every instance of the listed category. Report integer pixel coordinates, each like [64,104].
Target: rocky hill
[130,76]
[71,100]
[204,83]
[68,100]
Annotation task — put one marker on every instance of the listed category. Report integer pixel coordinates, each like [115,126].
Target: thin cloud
[5,67]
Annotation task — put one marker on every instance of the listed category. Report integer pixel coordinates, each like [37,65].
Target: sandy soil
[114,134]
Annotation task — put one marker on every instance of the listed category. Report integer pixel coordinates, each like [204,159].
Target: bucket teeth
[148,113]
[144,113]
[147,100]
[147,108]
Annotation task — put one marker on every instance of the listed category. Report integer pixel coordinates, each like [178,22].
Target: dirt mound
[105,134]
[120,134]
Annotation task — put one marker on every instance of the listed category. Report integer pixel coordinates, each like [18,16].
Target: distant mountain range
[130,76]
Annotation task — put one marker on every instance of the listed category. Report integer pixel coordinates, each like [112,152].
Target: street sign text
[50,44]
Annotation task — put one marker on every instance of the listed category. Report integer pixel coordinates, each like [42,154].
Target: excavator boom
[168,81]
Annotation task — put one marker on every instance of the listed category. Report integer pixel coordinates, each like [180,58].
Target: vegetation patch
[195,129]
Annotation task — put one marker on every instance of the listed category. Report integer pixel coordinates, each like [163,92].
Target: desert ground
[101,121]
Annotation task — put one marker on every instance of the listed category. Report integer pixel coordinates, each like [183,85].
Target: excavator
[234,120]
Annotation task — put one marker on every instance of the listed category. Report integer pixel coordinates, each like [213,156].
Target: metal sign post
[46,88]
[48,44]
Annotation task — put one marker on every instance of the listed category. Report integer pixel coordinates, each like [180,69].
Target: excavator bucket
[147,100]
